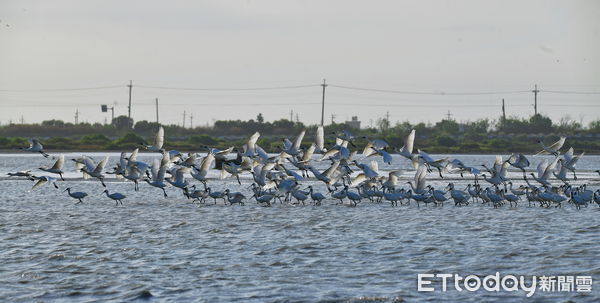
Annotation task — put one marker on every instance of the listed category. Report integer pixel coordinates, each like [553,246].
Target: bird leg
[164,192]
[44,154]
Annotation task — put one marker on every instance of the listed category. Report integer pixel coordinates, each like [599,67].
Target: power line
[229,89]
[428,93]
[569,92]
[60,89]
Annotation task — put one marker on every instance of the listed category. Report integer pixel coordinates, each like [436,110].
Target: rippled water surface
[167,249]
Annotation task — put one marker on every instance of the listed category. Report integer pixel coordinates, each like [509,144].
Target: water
[167,249]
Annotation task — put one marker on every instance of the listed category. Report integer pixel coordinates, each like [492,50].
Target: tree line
[510,134]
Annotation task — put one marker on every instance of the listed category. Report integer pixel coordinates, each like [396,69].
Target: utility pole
[76,116]
[157,111]
[129,107]
[183,124]
[22,120]
[332,117]
[503,112]
[449,115]
[292,115]
[297,118]
[191,120]
[387,116]
[324,85]
[535,92]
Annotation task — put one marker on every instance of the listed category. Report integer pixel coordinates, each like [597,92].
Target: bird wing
[524,160]
[89,164]
[299,139]
[101,165]
[550,168]
[59,163]
[161,173]
[320,138]
[558,144]
[568,155]
[360,178]
[329,172]
[379,144]
[155,168]
[329,153]
[425,156]
[420,177]
[287,144]
[541,168]
[575,159]
[369,150]
[408,143]
[133,155]
[308,153]
[160,138]
[252,141]
[207,162]
[39,183]
[374,166]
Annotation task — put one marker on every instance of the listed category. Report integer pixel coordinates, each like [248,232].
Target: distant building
[354,123]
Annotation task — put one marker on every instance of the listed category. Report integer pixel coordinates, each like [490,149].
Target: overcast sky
[415,46]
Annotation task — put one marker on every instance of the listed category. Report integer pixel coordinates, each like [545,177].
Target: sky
[415,61]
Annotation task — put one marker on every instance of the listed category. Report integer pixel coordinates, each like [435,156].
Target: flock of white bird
[279,177]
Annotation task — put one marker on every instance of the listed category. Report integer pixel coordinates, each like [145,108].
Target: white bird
[293,149]
[353,197]
[158,176]
[418,185]
[430,162]
[553,149]
[41,180]
[320,140]
[117,197]
[407,149]
[159,139]
[190,161]
[370,171]
[561,171]
[315,196]
[95,170]
[264,199]
[80,163]
[198,195]
[570,161]
[235,197]
[231,168]
[216,194]
[299,195]
[76,195]
[35,147]
[544,171]
[133,173]
[519,161]
[57,167]
[25,173]
[392,180]
[372,151]
[250,146]
[200,173]
[178,180]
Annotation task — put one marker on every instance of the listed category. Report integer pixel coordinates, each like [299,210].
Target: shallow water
[167,249]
